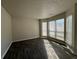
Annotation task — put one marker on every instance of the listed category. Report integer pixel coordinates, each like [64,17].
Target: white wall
[25,28]
[6,34]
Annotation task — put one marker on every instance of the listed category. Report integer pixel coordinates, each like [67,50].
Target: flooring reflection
[50,51]
[36,49]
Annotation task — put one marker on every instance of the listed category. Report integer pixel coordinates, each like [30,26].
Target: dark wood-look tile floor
[35,49]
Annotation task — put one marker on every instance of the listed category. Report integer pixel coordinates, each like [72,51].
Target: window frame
[56,28]
[56,17]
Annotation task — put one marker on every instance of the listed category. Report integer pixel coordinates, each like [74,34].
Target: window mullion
[55,29]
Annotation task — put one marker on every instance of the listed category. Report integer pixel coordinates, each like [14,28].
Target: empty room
[38,29]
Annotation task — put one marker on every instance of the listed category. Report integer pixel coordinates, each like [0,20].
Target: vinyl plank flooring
[34,49]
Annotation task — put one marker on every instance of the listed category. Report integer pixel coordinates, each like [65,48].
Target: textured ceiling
[36,8]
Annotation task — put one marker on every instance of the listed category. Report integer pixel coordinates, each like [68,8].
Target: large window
[69,30]
[56,29]
[52,29]
[60,29]
[44,28]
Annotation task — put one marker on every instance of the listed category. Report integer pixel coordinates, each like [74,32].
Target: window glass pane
[52,29]
[60,29]
[44,28]
[69,30]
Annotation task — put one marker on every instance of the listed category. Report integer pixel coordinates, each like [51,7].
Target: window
[56,29]
[60,29]
[44,28]
[69,30]
[52,29]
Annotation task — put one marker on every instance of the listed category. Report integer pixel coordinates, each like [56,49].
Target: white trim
[6,50]
[16,41]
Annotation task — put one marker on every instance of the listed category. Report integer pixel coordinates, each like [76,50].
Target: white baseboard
[25,39]
[6,50]
[16,41]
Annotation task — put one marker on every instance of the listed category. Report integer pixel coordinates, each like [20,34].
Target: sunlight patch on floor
[50,51]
